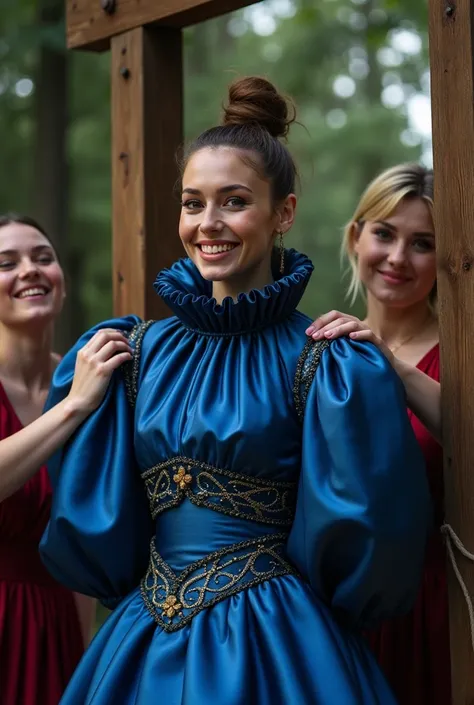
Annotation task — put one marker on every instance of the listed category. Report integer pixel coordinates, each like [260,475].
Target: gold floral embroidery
[174,599]
[171,606]
[182,478]
[244,496]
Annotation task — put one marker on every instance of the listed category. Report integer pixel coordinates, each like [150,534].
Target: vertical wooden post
[451,53]
[147,129]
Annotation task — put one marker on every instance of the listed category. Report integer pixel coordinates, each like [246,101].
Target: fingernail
[310,330]
[328,335]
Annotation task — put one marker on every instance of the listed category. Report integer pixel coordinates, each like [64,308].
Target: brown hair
[256,119]
[20,219]
[10,218]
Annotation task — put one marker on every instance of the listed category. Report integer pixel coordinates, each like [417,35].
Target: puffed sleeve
[363,509]
[97,540]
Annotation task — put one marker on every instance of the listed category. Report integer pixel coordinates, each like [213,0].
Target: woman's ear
[287,212]
[355,231]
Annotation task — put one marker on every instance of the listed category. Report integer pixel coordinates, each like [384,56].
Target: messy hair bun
[255,119]
[256,101]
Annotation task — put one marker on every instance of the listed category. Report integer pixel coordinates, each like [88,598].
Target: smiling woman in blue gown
[244,500]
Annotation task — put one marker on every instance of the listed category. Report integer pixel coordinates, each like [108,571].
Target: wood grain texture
[90,27]
[451,56]
[147,129]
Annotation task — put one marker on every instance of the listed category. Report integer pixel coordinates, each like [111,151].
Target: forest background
[357,69]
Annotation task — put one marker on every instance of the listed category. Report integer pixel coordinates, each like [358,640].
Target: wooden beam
[147,129]
[51,167]
[451,53]
[90,26]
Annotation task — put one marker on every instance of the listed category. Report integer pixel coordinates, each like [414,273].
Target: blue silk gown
[244,527]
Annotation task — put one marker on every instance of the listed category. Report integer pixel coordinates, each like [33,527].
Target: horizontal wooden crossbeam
[91,23]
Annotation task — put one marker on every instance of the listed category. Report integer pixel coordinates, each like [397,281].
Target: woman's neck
[26,356]
[257,279]
[394,324]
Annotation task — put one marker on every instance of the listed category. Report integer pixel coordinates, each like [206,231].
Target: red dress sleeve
[431,449]
[40,635]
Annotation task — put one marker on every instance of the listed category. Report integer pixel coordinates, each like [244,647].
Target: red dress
[40,635]
[414,650]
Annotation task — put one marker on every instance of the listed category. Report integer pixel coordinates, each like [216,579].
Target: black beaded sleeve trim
[173,600]
[131,369]
[243,496]
[308,363]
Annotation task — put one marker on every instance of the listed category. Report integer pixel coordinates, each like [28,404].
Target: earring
[282,254]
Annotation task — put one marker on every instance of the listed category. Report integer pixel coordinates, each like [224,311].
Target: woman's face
[31,279]
[396,256]
[228,222]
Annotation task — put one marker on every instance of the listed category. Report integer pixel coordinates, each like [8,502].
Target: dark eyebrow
[38,248]
[394,229]
[234,187]
[224,189]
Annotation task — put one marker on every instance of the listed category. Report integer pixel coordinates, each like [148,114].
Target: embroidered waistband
[243,496]
[173,600]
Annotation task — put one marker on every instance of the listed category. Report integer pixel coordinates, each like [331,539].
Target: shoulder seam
[308,363]
[131,369]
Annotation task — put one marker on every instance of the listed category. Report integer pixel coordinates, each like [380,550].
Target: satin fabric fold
[355,471]
[215,386]
[97,485]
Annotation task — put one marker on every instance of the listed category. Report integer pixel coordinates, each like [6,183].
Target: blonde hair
[378,202]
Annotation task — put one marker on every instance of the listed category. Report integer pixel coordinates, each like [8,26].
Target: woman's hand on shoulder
[96,361]
[336,325]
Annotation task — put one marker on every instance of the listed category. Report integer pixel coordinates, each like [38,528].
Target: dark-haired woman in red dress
[390,244]
[43,626]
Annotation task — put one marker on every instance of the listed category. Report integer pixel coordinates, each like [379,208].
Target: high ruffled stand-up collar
[189,296]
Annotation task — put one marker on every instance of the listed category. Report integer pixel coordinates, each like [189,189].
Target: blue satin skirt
[273,644]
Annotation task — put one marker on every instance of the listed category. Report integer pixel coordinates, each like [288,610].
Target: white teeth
[214,249]
[34,291]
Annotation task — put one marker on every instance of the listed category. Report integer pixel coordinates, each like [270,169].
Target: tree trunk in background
[198,51]
[225,42]
[373,162]
[51,192]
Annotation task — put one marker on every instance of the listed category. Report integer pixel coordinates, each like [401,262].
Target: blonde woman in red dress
[390,244]
[43,626]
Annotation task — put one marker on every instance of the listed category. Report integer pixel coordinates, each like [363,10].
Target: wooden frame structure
[147,115]
[145,39]
[451,26]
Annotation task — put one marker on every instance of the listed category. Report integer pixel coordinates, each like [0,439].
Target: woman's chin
[215,272]
[394,300]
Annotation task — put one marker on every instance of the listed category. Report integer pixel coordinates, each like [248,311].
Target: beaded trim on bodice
[131,369]
[243,496]
[173,600]
[308,363]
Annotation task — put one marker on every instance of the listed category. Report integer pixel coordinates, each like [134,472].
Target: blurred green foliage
[352,66]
